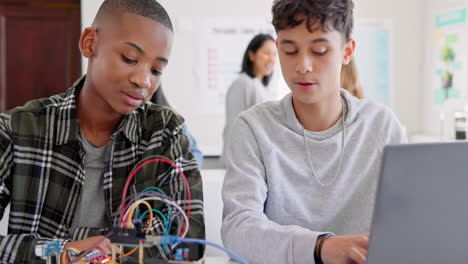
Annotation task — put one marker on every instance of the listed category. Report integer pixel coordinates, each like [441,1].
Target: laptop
[421,209]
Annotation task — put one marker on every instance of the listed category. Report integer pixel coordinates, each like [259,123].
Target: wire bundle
[130,214]
[154,193]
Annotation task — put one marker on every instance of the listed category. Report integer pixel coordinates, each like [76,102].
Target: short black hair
[147,8]
[247,65]
[331,14]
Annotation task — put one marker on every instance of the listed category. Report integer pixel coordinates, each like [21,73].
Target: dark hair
[159,97]
[147,8]
[255,44]
[331,14]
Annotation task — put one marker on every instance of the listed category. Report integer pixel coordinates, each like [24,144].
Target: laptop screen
[421,209]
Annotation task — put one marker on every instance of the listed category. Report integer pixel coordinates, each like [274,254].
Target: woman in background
[251,87]
[350,79]
[160,99]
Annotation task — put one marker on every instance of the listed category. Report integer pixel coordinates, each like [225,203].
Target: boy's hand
[103,244]
[345,249]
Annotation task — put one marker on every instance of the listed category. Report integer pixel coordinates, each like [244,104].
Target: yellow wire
[129,220]
[131,252]
[133,208]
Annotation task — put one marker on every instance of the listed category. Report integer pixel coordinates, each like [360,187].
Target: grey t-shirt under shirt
[91,208]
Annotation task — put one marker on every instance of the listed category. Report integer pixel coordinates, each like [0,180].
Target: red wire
[127,184]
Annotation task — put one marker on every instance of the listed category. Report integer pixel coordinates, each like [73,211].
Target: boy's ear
[88,42]
[349,48]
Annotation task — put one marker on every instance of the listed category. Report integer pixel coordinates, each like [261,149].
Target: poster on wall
[221,46]
[450,57]
[373,58]
[211,50]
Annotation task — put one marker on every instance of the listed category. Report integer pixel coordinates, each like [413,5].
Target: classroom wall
[408,40]
[408,23]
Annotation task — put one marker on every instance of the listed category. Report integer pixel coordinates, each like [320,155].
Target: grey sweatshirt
[243,93]
[274,208]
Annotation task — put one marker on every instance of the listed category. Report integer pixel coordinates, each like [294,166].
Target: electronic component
[127,237]
[48,249]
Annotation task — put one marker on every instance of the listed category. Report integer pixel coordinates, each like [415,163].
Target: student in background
[302,172]
[251,87]
[64,160]
[160,98]
[350,79]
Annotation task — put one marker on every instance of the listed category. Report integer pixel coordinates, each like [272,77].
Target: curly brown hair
[331,15]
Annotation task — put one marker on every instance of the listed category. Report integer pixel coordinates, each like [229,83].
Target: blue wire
[169,210]
[156,189]
[159,213]
[169,222]
[174,240]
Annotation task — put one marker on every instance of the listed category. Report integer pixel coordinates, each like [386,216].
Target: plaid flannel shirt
[42,170]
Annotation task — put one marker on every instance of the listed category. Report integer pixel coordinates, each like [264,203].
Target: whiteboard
[220,47]
[213,48]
